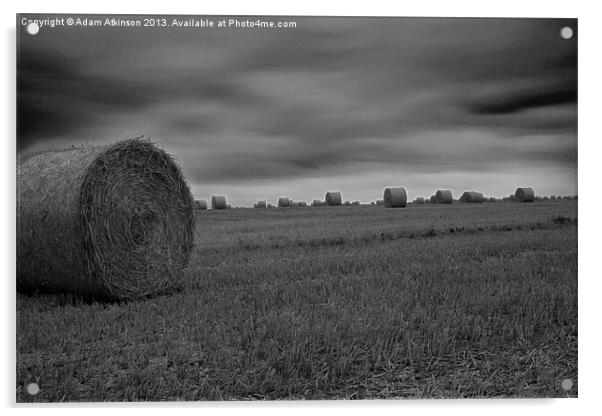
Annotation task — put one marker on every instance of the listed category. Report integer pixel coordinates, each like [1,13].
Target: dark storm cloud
[432,95]
[511,103]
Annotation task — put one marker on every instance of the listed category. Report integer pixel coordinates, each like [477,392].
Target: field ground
[468,300]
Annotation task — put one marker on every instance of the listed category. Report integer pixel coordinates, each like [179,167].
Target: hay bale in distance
[261,204]
[114,221]
[492,199]
[316,203]
[444,196]
[419,200]
[200,204]
[394,198]
[219,202]
[432,199]
[333,199]
[472,197]
[285,202]
[524,195]
[355,203]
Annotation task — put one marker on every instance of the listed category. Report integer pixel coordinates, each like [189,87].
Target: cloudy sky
[347,104]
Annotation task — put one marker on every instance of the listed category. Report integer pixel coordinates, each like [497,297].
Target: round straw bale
[301,204]
[219,202]
[432,199]
[114,221]
[492,199]
[316,203]
[419,200]
[472,196]
[394,198]
[261,204]
[285,202]
[200,204]
[333,198]
[444,196]
[355,202]
[524,195]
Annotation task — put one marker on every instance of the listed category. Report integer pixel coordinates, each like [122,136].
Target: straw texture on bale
[219,202]
[333,198]
[113,221]
[262,204]
[524,195]
[432,199]
[284,202]
[200,204]
[316,203]
[472,196]
[394,198]
[444,196]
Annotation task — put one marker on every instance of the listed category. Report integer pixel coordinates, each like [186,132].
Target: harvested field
[463,300]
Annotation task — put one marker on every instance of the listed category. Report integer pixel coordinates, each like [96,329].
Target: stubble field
[431,301]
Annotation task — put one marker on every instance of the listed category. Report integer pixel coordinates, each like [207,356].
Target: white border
[590,69]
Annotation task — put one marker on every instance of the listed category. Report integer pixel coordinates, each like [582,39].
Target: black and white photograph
[274,208]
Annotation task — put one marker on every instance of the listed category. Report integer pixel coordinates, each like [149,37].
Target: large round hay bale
[200,204]
[394,198]
[261,204]
[285,202]
[333,198]
[219,202]
[524,195]
[114,221]
[444,196]
[472,196]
